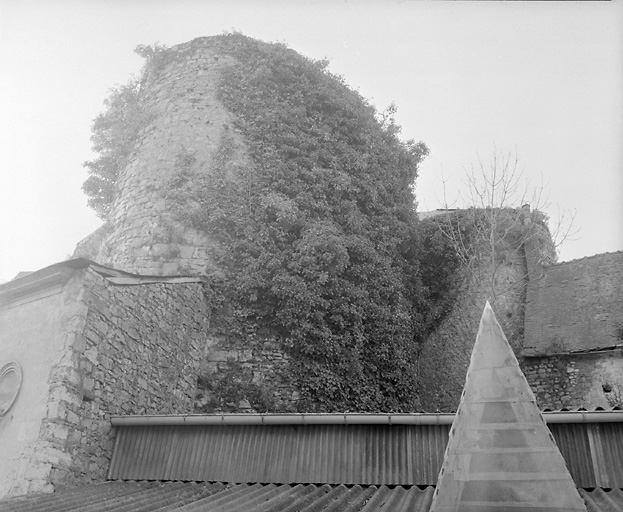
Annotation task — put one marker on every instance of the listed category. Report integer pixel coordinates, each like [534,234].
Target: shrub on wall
[115,132]
[315,235]
[319,230]
[233,390]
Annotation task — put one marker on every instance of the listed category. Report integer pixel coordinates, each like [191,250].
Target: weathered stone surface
[572,381]
[446,353]
[123,350]
[578,305]
[148,231]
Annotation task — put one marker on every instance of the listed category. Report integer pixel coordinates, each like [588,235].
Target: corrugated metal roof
[334,454]
[346,454]
[222,497]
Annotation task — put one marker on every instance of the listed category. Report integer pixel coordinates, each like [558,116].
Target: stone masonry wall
[130,350]
[33,327]
[177,149]
[261,360]
[446,353]
[578,305]
[573,381]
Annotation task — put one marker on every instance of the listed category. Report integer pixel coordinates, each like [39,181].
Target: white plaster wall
[606,371]
[29,335]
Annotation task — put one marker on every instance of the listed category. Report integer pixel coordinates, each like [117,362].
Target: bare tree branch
[499,220]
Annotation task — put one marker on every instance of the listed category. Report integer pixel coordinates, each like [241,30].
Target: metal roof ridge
[418,418]
[286,419]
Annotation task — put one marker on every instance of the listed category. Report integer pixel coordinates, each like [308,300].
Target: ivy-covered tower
[258,168]
[182,138]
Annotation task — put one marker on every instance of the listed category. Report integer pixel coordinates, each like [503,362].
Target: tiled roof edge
[561,263]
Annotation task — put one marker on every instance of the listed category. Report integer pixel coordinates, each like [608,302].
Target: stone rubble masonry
[263,357]
[149,230]
[90,246]
[574,319]
[578,305]
[554,311]
[571,381]
[129,350]
[445,355]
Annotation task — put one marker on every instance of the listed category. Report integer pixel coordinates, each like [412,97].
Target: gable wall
[31,335]
[139,353]
[577,305]
[91,350]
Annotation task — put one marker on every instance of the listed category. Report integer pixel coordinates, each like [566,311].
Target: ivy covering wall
[316,241]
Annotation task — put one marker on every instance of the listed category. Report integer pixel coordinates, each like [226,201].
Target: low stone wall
[256,364]
[576,381]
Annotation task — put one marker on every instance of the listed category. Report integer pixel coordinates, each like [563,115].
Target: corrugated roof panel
[606,442]
[348,454]
[220,497]
[427,447]
[603,500]
[572,440]
[217,497]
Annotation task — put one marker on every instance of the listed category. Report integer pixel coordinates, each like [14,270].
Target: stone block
[19,488]
[61,393]
[60,477]
[170,268]
[73,418]
[245,355]
[53,456]
[222,355]
[186,252]
[91,354]
[56,409]
[40,486]
[38,471]
[56,431]
[88,383]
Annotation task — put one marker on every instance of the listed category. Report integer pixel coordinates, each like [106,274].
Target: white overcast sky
[544,79]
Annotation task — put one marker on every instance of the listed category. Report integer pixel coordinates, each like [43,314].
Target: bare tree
[498,220]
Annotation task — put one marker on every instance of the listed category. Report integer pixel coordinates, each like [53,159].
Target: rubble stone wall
[121,349]
[138,353]
[30,336]
[573,381]
[262,359]
[175,151]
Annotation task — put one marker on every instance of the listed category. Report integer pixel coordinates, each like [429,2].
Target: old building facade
[90,342]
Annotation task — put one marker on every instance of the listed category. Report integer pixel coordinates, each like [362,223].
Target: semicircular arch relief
[10,383]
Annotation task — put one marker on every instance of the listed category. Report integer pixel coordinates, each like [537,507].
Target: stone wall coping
[583,258]
[61,272]
[35,282]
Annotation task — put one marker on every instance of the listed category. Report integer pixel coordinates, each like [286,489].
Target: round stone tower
[185,125]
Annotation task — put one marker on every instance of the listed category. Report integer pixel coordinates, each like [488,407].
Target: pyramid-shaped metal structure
[501,456]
